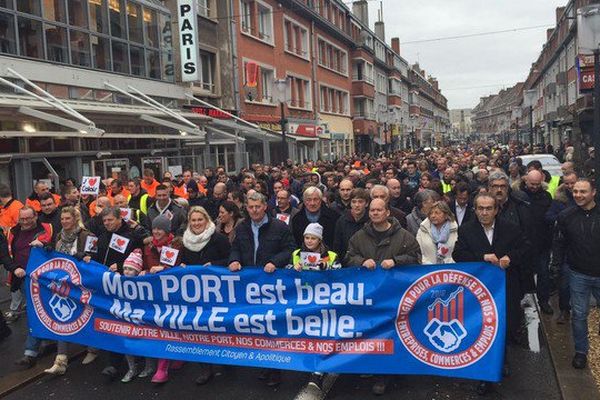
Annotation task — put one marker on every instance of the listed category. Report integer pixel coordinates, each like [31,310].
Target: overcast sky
[462,64]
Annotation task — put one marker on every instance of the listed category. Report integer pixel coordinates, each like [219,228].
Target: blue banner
[428,320]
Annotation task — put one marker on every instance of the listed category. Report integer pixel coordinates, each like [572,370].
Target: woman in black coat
[203,245]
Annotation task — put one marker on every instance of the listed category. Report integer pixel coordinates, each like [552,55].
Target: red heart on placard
[169,254]
[444,251]
[92,181]
[120,242]
[94,242]
[123,213]
[312,259]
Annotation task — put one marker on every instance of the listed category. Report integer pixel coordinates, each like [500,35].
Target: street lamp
[517,112]
[281,86]
[588,38]
[530,98]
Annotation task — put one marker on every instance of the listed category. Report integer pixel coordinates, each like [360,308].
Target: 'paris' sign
[188,28]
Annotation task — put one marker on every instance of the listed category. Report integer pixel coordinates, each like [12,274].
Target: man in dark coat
[541,235]
[500,242]
[314,211]
[164,205]
[263,241]
[351,221]
[342,201]
[460,205]
[113,254]
[514,207]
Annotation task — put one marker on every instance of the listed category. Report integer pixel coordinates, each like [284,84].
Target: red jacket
[43,234]
[151,255]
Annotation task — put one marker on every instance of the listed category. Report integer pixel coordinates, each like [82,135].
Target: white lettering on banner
[188,30]
[124,288]
[194,288]
[214,289]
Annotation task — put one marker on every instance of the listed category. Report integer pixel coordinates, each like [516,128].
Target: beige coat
[429,248]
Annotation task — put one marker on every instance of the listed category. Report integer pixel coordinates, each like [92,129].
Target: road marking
[310,392]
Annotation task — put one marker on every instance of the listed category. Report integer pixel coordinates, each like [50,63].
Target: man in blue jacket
[261,241]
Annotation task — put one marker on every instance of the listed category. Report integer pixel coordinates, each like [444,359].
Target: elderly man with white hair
[314,210]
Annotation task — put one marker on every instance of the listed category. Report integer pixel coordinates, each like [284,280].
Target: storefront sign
[308,130]
[585,73]
[210,112]
[188,30]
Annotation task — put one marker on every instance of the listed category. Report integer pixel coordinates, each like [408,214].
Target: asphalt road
[532,377]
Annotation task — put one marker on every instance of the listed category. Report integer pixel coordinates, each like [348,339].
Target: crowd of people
[454,204]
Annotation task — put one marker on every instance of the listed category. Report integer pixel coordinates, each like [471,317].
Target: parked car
[549,162]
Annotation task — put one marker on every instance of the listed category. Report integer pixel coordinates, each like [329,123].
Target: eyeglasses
[499,186]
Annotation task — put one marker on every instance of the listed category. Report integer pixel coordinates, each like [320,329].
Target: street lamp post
[588,38]
[281,86]
[530,97]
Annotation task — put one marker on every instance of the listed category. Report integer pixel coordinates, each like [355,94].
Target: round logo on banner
[447,319]
[55,306]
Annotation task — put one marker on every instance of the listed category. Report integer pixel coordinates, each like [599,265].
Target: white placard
[91,244]
[284,218]
[168,255]
[126,214]
[310,260]
[118,243]
[90,185]
[188,31]
[175,170]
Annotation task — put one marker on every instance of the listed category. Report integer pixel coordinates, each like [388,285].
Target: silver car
[549,162]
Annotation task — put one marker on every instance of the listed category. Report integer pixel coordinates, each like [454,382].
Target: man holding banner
[115,243]
[498,242]
[262,241]
[382,241]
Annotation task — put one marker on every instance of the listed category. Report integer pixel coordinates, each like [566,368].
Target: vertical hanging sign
[188,47]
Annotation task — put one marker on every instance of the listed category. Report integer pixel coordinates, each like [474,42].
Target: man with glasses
[499,242]
[514,207]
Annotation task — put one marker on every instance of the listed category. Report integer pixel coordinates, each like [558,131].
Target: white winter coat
[429,248]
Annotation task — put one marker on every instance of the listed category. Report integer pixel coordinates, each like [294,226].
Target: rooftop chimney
[396,45]
[379,25]
[559,13]
[361,10]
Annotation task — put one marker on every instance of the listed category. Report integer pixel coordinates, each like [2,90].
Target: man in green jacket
[382,241]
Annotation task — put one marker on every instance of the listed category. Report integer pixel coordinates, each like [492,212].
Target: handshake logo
[61,305]
[445,329]
[445,336]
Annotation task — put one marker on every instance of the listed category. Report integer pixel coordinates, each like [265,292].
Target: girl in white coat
[437,235]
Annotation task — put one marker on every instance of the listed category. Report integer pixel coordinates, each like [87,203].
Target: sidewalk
[574,384]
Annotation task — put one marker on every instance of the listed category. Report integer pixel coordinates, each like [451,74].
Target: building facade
[561,104]
[111,87]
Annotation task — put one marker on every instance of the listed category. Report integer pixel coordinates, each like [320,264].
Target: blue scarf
[440,235]
[313,217]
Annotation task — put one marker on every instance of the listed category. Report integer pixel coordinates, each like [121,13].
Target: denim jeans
[564,293]
[543,276]
[32,346]
[581,287]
